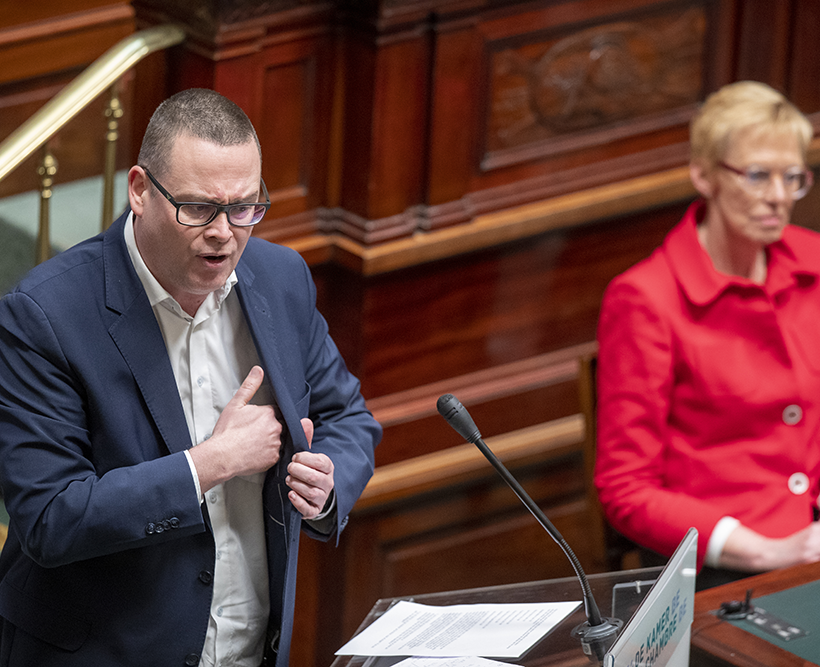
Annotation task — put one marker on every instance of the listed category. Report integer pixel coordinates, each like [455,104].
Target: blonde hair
[740,106]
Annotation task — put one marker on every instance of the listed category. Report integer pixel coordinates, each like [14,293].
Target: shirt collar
[702,283]
[157,294]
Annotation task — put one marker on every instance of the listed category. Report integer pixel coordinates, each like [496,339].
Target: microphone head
[457,416]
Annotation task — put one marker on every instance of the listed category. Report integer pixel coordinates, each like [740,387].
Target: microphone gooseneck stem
[593,614]
[597,634]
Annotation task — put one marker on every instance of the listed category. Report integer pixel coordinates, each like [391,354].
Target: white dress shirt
[211,353]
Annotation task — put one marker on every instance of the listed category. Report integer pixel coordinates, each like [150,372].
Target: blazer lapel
[137,335]
[261,323]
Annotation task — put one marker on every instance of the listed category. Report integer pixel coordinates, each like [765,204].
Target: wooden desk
[717,643]
[556,649]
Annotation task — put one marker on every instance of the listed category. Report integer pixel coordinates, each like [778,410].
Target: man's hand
[246,439]
[310,477]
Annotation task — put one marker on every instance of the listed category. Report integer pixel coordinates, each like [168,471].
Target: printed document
[489,630]
[470,661]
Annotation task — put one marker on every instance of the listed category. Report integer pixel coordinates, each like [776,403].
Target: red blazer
[709,392]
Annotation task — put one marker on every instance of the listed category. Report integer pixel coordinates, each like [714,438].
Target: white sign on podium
[659,633]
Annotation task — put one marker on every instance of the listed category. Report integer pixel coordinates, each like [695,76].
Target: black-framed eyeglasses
[797,181]
[199,214]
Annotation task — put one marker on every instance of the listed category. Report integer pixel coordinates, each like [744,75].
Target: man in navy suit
[173,413]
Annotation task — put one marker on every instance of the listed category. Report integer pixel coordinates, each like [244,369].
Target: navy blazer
[109,558]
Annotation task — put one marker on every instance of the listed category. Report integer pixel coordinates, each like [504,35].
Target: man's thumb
[307,427]
[249,386]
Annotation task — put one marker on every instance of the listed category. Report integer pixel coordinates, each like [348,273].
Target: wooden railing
[438,470]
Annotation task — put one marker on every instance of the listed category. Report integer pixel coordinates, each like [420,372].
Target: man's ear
[137,185]
[702,178]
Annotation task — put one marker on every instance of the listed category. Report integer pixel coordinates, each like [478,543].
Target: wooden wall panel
[578,84]
[288,88]
[453,145]
[424,115]
[522,101]
[803,75]
[386,139]
[511,302]
[400,112]
[763,52]
[48,37]
[550,115]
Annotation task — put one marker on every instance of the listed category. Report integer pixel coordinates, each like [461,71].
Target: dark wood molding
[480,386]
[52,26]
[456,465]
[491,229]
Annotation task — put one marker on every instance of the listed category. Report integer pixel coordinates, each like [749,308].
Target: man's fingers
[310,477]
[307,461]
[302,506]
[250,385]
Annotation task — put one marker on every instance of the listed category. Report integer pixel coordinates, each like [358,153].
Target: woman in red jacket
[709,361]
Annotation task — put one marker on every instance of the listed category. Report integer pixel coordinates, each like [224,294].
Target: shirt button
[219,611]
[798,483]
[213,497]
[792,414]
[200,381]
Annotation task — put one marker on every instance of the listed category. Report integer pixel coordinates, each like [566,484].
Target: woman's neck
[733,257]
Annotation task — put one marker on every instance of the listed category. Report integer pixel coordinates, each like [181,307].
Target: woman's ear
[702,178]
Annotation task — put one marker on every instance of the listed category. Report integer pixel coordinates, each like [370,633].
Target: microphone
[597,634]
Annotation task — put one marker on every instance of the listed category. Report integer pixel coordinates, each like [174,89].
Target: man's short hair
[741,106]
[198,112]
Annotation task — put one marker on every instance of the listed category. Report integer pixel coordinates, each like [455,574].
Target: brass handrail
[93,81]
[103,73]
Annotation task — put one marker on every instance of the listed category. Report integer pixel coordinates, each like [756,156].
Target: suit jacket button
[206,577]
[191,660]
[174,522]
[149,529]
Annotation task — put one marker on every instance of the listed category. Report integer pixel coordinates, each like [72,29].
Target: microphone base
[596,640]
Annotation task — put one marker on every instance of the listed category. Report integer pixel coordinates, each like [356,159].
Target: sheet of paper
[462,661]
[492,630]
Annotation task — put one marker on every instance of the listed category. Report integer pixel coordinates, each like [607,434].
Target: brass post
[46,171]
[113,112]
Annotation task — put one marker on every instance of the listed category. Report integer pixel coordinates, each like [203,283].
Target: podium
[720,643]
[655,604]
[556,648]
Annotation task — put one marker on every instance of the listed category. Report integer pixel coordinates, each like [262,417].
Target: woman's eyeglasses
[757,180]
